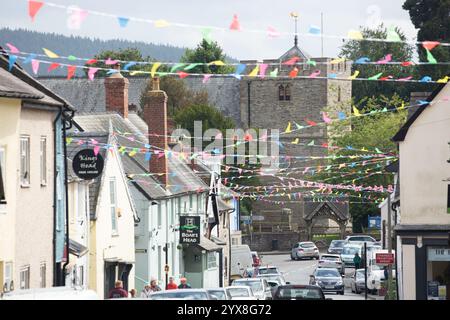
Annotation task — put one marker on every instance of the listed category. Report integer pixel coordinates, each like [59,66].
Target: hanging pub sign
[87,165]
[189,230]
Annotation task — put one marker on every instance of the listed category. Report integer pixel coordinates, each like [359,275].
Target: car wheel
[357,291]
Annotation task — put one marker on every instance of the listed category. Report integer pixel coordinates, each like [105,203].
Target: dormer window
[284,92]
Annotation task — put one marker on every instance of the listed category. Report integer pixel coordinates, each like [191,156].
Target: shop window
[212,261]
[438,273]
[25,277]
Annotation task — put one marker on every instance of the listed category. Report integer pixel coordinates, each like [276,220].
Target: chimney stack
[116,93]
[155,115]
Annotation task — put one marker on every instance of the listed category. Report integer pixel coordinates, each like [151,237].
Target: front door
[110,277]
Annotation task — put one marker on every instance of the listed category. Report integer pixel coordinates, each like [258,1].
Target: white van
[375,272]
[241,260]
[55,293]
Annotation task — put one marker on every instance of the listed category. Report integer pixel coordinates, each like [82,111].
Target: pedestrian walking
[154,285]
[133,293]
[357,261]
[145,293]
[118,291]
[171,285]
[184,284]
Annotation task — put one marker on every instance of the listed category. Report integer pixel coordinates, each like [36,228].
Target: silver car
[357,281]
[329,280]
[260,287]
[305,250]
[219,293]
[182,294]
[332,261]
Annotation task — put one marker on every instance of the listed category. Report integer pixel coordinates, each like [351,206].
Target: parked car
[349,251]
[182,294]
[332,261]
[299,292]
[268,270]
[260,287]
[241,259]
[273,277]
[273,286]
[302,250]
[357,281]
[376,273]
[256,259]
[55,293]
[219,293]
[336,246]
[360,238]
[241,293]
[328,279]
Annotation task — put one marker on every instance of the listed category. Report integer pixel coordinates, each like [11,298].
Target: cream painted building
[31,119]
[424,226]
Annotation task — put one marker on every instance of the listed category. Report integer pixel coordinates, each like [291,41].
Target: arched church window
[281,92]
[287,93]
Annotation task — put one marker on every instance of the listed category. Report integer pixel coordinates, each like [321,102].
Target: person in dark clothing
[357,261]
[118,291]
[184,284]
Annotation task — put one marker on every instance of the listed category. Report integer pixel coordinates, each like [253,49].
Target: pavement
[298,272]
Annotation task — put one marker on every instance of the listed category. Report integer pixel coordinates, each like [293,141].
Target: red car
[256,259]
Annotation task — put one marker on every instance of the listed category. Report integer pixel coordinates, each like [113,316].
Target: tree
[401,51]
[179,96]
[432,19]
[206,53]
[369,132]
[129,54]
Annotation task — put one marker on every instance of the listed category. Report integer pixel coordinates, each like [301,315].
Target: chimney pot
[155,84]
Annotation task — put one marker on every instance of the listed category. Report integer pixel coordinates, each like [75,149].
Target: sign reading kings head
[87,165]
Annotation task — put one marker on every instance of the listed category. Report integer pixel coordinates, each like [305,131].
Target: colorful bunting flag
[235,25]
[161,23]
[262,70]
[430,57]
[216,63]
[12,48]
[254,72]
[206,78]
[325,118]
[376,77]
[50,54]
[311,123]
[191,66]
[274,73]
[296,141]
[430,45]
[71,72]
[355,35]
[154,68]
[291,61]
[293,73]
[315,74]
[53,66]
[355,75]
[314,30]
[91,73]
[182,74]
[356,111]
[35,66]
[392,35]
[288,129]
[29,58]
[33,8]
[12,61]
[272,32]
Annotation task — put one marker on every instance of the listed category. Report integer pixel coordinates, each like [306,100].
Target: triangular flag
[376,77]
[431,59]
[315,74]
[262,69]
[311,63]
[355,75]
[254,72]
[235,25]
[50,54]
[314,30]
[216,63]
[274,73]
[311,123]
[182,74]
[356,111]
[71,72]
[129,65]
[123,22]
[430,45]
[161,23]
[69,141]
[311,144]
[293,73]
[148,156]
[296,141]
[71,58]
[191,66]
[53,66]
[402,107]
[96,150]
[291,61]
[91,73]
[299,127]
[29,58]
[92,61]
[176,67]
[206,35]
[110,62]
[325,117]
[206,78]
[392,35]
[355,35]
[13,49]
[35,66]
[12,61]
[240,68]
[272,32]
[33,8]
[154,68]
[443,80]
[288,129]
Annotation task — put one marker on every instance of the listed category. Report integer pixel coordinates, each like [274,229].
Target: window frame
[43,159]
[25,182]
[287,92]
[43,275]
[281,92]
[113,205]
[25,272]
[210,263]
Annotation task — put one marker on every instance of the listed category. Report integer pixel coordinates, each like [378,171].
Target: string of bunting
[80,15]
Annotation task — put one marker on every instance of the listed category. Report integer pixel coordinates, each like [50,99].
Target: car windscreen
[180,295]
[299,293]
[337,244]
[255,285]
[360,275]
[330,258]
[350,250]
[219,294]
[327,273]
[307,245]
[238,292]
[268,271]
[273,277]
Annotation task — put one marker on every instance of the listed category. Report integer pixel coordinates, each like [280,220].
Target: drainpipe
[248,104]
[66,189]
[55,278]
[395,205]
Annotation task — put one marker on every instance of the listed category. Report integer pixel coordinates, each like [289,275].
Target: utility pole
[250,227]
[389,241]
[365,270]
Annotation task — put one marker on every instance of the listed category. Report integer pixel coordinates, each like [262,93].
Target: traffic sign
[384,258]
[258,218]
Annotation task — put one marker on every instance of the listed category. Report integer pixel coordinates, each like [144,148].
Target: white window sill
[43,184]
[115,234]
[25,185]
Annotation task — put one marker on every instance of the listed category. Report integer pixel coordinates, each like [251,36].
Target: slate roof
[341,209]
[73,149]
[17,83]
[295,51]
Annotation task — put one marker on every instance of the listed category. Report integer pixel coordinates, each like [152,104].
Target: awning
[208,245]
[218,241]
[77,249]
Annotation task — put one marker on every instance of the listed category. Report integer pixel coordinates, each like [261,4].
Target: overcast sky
[339,18]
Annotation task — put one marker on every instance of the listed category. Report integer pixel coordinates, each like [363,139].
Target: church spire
[294,15]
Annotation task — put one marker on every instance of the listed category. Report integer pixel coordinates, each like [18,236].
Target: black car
[298,292]
[336,246]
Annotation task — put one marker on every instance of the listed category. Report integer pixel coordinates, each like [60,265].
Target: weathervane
[294,15]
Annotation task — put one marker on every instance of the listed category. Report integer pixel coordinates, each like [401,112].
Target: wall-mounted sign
[87,165]
[374,222]
[438,254]
[189,229]
[384,258]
